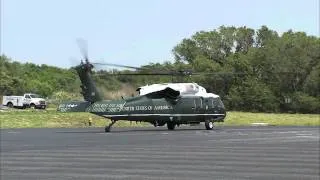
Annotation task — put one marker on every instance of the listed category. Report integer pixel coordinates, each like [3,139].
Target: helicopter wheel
[171,125]
[208,124]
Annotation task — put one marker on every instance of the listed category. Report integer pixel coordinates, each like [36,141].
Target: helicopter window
[209,102]
[188,101]
[220,103]
[214,102]
[217,103]
[198,102]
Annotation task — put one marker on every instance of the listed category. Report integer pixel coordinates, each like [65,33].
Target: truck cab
[34,101]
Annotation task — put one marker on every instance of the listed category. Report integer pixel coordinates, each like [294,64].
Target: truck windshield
[34,96]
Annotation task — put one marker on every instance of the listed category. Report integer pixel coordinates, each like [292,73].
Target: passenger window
[198,102]
[210,103]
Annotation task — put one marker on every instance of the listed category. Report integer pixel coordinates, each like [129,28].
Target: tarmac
[156,153]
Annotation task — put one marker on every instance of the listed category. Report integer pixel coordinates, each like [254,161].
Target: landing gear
[108,128]
[171,125]
[155,124]
[208,124]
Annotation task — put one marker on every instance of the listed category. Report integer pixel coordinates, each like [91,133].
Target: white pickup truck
[27,100]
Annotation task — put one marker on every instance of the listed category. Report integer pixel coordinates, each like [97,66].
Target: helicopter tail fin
[89,90]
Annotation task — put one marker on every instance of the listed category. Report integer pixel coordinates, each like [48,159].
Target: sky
[135,32]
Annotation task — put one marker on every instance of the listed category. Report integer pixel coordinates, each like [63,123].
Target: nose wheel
[208,124]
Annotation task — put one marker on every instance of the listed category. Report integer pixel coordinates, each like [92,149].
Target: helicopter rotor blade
[145,70]
[135,74]
[149,71]
[218,73]
[83,46]
[118,65]
[173,73]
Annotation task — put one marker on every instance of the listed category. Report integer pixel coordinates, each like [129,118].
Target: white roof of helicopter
[184,88]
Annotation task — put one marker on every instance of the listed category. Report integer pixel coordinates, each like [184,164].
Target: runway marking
[270,139]
[174,172]
[304,134]
[140,154]
[13,132]
[188,168]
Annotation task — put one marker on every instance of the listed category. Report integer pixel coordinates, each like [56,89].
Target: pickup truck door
[27,99]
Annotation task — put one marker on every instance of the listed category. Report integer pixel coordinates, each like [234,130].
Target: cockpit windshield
[217,102]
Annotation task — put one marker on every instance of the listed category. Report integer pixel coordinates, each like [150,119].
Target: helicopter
[171,104]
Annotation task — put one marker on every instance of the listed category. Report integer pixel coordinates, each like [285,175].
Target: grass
[276,119]
[50,118]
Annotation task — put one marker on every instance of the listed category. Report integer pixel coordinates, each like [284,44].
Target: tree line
[270,72]
[252,70]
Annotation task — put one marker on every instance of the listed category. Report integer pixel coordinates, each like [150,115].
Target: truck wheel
[32,106]
[10,105]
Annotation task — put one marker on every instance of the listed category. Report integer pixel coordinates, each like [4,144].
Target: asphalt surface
[156,153]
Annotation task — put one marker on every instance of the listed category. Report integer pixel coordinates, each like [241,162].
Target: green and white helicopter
[170,104]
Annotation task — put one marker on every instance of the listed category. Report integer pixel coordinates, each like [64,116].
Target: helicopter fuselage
[183,110]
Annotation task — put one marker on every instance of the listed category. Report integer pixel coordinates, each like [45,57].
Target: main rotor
[138,71]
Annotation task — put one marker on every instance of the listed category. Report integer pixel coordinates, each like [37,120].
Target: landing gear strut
[171,125]
[108,128]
